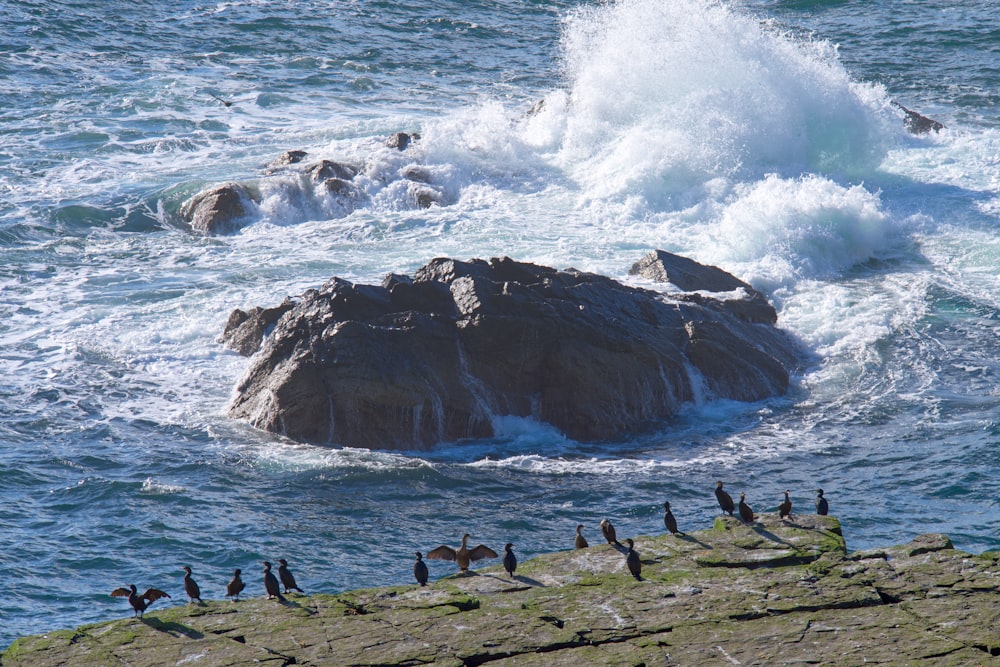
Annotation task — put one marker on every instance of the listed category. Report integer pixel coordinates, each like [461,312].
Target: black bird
[235,585]
[632,560]
[725,500]
[608,531]
[580,542]
[139,602]
[463,555]
[286,576]
[785,508]
[822,506]
[668,519]
[224,102]
[420,572]
[191,586]
[271,584]
[746,513]
[509,559]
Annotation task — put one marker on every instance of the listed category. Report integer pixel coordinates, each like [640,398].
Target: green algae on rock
[778,592]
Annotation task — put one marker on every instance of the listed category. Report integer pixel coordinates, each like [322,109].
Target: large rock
[782,592]
[222,209]
[436,357]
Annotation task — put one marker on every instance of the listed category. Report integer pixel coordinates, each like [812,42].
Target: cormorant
[271,584]
[463,555]
[668,519]
[632,560]
[580,542]
[139,602]
[608,531]
[235,585]
[420,572]
[785,508]
[725,500]
[746,513]
[286,576]
[822,506]
[191,586]
[509,559]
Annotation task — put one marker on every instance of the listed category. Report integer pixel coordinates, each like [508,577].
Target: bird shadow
[692,540]
[172,628]
[765,533]
[528,581]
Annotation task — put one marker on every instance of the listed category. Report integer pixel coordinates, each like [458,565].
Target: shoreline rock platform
[779,592]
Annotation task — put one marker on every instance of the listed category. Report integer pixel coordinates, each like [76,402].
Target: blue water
[758,136]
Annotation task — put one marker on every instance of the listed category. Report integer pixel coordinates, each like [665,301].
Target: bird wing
[121,593]
[153,594]
[444,553]
[480,552]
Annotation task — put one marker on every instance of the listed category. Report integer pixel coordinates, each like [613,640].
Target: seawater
[759,136]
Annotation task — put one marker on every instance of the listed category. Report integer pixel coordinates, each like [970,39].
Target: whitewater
[759,136]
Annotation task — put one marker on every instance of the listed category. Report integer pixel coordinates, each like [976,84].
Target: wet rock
[777,593]
[286,159]
[401,140]
[222,209]
[338,186]
[690,276]
[327,169]
[245,330]
[436,357]
[917,123]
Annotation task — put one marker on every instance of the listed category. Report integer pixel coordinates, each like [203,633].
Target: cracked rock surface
[776,593]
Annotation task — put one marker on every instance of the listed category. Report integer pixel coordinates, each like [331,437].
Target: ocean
[760,136]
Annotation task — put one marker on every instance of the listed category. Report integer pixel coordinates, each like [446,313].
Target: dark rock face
[434,358]
[690,276]
[918,123]
[245,330]
[401,140]
[222,209]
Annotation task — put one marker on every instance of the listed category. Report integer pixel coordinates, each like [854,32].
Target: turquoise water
[757,136]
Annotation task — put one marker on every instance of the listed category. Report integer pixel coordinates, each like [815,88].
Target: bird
[509,559]
[420,570]
[580,542]
[822,506]
[287,578]
[609,531]
[746,512]
[785,508]
[463,555]
[224,102]
[632,560]
[669,520]
[139,602]
[725,500]
[271,584]
[235,585]
[190,585]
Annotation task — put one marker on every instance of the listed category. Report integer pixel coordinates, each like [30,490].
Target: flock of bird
[463,555]
[233,589]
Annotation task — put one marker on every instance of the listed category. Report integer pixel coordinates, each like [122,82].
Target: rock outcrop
[221,209]
[322,187]
[780,592]
[436,357]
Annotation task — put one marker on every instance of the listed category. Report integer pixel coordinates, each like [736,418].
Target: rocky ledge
[436,357]
[779,592]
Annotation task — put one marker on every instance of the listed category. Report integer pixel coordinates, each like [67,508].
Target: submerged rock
[436,357]
[782,592]
[222,209]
